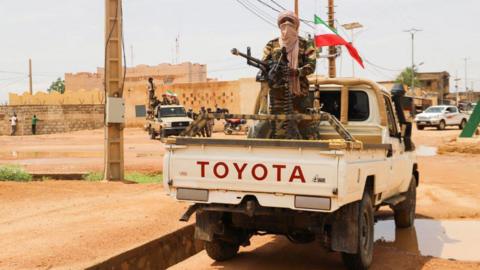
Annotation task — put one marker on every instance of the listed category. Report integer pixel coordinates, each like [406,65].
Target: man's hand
[291,72]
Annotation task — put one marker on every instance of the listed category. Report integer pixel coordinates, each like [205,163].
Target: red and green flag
[328,36]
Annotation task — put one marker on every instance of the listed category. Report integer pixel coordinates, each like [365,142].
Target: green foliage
[405,78]
[140,178]
[57,86]
[144,178]
[93,176]
[14,173]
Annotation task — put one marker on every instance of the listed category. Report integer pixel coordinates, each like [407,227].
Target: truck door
[398,161]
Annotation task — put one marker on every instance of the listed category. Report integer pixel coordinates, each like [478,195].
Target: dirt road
[71,225]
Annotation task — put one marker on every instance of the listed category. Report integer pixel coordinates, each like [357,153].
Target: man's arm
[267,51]
[311,61]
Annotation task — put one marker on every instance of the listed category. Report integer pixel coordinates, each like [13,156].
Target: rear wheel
[364,256]
[153,134]
[462,124]
[420,127]
[404,212]
[220,250]
[441,125]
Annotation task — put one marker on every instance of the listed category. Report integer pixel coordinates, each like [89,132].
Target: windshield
[434,110]
[172,112]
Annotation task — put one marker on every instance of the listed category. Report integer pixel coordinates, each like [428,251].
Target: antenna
[177,49]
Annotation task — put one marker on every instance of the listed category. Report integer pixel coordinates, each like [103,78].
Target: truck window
[358,107]
[172,112]
[392,123]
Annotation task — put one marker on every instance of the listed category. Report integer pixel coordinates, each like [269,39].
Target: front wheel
[420,127]
[462,124]
[220,250]
[441,125]
[364,256]
[404,212]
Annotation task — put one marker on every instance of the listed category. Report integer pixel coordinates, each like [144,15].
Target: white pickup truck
[326,190]
[441,117]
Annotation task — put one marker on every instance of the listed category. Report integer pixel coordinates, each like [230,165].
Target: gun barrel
[251,60]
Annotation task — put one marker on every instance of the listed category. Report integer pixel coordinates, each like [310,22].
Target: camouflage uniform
[306,66]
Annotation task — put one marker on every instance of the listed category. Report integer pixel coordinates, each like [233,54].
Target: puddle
[451,239]
[426,151]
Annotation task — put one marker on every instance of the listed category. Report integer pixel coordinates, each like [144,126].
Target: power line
[383,68]
[255,13]
[269,6]
[277,4]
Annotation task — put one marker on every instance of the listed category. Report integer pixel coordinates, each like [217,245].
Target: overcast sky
[68,36]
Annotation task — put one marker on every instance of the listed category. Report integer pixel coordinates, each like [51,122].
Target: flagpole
[332,69]
[296,7]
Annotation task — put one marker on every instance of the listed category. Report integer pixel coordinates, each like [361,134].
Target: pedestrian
[34,124]
[13,123]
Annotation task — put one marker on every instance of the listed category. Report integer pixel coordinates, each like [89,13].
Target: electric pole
[30,77]
[332,70]
[296,7]
[352,27]
[114,121]
[456,89]
[412,32]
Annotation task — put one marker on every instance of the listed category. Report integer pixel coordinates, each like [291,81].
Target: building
[163,73]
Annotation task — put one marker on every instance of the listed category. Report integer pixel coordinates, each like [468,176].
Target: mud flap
[207,224]
[344,237]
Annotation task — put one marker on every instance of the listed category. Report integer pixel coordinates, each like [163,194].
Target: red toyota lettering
[225,170]
[279,171]
[254,172]
[240,169]
[297,174]
[202,167]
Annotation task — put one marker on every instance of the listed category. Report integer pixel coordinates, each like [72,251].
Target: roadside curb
[160,253]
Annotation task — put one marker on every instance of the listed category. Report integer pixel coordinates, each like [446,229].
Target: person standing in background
[13,123]
[34,124]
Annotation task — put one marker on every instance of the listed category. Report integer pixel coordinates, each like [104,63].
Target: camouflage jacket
[307,58]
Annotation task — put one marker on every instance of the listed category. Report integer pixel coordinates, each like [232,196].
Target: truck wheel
[404,212]
[420,127]
[364,256]
[153,134]
[462,124]
[441,125]
[220,250]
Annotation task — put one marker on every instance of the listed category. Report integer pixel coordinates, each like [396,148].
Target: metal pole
[296,7]
[332,69]
[30,77]
[413,64]
[353,60]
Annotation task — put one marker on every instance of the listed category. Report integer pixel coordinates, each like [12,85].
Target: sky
[68,36]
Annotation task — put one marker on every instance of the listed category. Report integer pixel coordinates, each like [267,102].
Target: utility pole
[456,89]
[352,27]
[412,32]
[332,69]
[30,76]
[114,156]
[296,8]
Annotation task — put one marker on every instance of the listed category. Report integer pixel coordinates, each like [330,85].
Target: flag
[327,36]
[171,93]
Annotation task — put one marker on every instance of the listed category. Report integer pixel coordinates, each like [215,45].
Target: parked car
[441,117]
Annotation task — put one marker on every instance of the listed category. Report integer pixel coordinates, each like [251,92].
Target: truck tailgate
[277,170]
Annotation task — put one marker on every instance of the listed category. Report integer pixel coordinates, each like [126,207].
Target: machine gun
[275,73]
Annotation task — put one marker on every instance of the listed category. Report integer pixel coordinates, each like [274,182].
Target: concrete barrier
[157,254]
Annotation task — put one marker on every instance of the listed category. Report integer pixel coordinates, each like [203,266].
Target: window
[392,123]
[452,110]
[358,107]
[140,111]
[172,112]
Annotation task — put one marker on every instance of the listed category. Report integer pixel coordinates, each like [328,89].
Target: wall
[54,98]
[53,118]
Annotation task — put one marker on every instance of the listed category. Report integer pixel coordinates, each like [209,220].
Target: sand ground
[72,224]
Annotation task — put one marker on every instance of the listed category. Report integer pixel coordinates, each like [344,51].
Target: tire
[420,127]
[441,125]
[220,250]
[404,212]
[153,135]
[462,124]
[364,256]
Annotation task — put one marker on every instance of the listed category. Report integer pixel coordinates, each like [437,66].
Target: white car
[441,117]
[170,120]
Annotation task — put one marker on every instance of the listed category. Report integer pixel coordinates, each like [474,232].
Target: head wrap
[289,24]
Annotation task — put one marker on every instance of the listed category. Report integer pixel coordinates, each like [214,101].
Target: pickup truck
[169,120]
[441,117]
[324,190]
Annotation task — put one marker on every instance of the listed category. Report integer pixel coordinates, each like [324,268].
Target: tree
[405,78]
[58,86]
